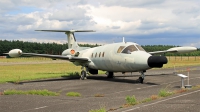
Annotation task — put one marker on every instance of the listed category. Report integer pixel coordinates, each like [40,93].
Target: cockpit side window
[120,49]
[129,49]
[140,48]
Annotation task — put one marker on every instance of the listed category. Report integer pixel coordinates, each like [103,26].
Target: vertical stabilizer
[71,40]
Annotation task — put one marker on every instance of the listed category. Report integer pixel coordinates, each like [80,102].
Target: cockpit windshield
[140,48]
[129,49]
[120,49]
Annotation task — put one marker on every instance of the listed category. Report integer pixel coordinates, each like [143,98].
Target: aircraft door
[121,61]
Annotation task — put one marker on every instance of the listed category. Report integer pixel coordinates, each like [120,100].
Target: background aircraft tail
[72,44]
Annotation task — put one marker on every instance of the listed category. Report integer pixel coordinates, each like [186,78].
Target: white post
[188,77]
[182,82]
[188,86]
[174,69]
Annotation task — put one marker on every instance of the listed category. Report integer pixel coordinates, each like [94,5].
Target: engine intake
[157,61]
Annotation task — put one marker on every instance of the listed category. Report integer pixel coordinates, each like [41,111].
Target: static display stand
[182,79]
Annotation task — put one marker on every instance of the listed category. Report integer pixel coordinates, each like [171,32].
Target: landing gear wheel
[141,80]
[110,75]
[83,75]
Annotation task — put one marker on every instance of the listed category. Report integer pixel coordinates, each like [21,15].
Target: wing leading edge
[56,57]
[176,50]
[18,52]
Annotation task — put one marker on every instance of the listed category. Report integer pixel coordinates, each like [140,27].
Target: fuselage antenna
[123,40]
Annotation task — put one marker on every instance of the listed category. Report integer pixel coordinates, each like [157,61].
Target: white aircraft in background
[116,57]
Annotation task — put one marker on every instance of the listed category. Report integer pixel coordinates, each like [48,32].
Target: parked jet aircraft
[116,57]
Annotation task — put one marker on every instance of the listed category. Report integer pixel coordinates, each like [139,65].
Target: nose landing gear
[141,78]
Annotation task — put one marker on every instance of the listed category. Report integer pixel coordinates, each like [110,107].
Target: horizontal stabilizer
[68,31]
[70,36]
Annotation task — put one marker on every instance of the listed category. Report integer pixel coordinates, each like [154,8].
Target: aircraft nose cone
[156,61]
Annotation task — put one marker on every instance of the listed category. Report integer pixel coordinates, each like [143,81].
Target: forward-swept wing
[18,52]
[176,50]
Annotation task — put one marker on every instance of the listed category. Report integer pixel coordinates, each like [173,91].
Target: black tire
[141,80]
[83,75]
[110,75]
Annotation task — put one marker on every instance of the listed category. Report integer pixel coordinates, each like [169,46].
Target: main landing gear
[110,74]
[141,78]
[84,73]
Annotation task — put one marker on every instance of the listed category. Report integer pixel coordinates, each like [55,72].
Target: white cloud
[130,3]
[68,14]
[165,19]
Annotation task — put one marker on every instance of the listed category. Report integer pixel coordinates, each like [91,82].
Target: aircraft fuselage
[108,58]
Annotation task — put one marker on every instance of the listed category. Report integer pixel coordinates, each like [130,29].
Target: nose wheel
[141,78]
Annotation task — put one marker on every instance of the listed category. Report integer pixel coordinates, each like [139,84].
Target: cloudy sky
[146,22]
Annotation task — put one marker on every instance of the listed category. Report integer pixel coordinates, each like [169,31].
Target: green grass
[196,87]
[131,100]
[22,72]
[71,74]
[146,100]
[24,59]
[178,61]
[16,73]
[30,92]
[73,94]
[102,109]
[164,93]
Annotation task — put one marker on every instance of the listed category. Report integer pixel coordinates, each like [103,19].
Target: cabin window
[129,49]
[92,55]
[120,49]
[95,55]
[103,54]
[100,54]
[140,48]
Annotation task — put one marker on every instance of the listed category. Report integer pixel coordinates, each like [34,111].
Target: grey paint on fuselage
[113,61]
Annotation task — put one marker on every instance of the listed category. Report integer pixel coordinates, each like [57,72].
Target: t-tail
[72,44]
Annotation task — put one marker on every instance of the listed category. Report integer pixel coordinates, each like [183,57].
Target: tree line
[35,47]
[57,49]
